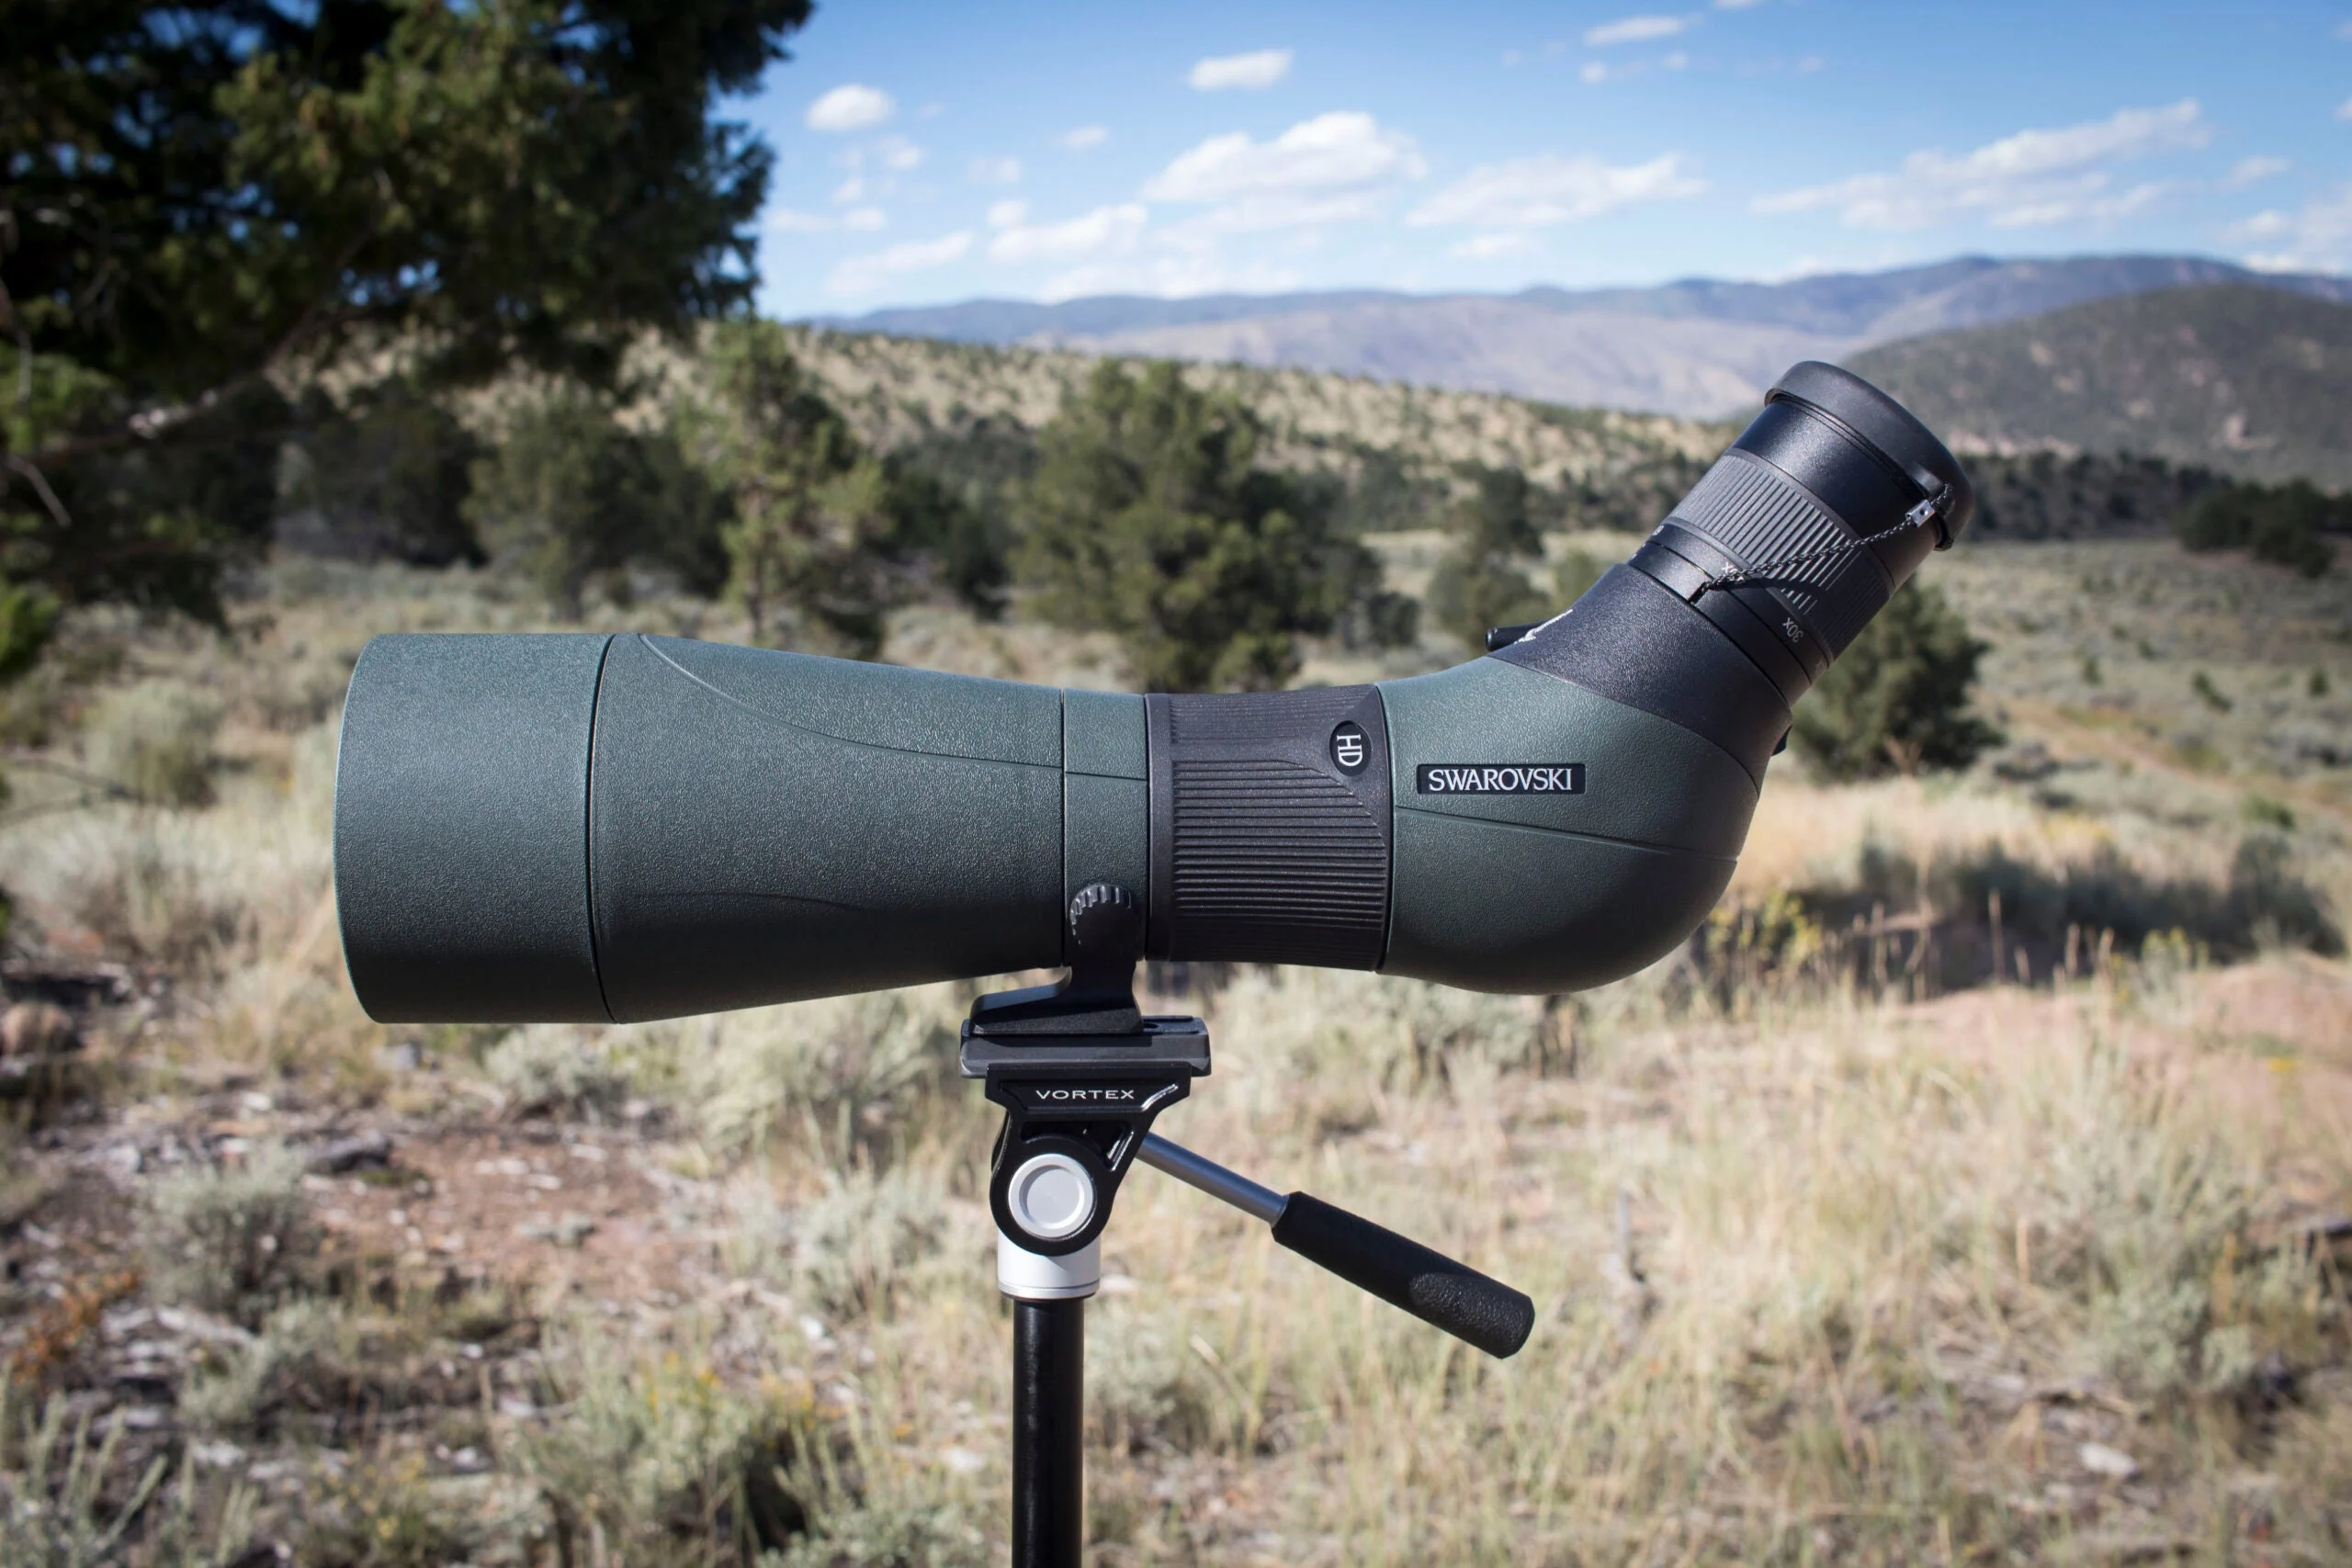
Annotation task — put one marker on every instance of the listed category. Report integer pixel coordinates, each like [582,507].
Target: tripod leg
[1049,1445]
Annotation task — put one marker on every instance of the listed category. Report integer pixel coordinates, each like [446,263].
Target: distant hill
[2247,380]
[1700,347]
[1698,368]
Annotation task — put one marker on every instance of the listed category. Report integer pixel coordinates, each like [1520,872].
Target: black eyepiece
[1880,424]
[1809,523]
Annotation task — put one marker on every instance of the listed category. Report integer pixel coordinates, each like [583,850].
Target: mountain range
[1700,347]
[2250,381]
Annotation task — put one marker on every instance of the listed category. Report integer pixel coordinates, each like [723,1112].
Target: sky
[928,152]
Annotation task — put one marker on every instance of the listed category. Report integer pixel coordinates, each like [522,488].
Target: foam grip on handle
[1434,1288]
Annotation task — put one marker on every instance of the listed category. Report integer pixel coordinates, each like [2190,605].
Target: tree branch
[149,424]
[30,473]
[19,757]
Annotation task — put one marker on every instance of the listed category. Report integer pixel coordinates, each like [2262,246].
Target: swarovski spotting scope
[617,828]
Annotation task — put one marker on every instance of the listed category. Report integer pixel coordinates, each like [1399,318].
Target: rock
[339,1156]
[38,1029]
[403,1057]
[569,1231]
[2114,1463]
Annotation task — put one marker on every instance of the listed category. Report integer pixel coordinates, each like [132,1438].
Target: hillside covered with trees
[2252,382]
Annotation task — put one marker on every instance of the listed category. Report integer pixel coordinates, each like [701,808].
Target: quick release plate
[1076,1109]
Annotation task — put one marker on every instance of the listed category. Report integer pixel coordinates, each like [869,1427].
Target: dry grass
[1838,1260]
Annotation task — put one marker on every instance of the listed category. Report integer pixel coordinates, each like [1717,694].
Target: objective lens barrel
[591,827]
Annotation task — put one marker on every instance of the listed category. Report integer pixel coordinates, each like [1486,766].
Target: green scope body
[560,828]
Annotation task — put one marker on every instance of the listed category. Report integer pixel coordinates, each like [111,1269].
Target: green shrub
[559,1069]
[1897,699]
[1578,570]
[2280,523]
[228,1239]
[860,1239]
[155,739]
[28,615]
[388,477]
[296,1349]
[838,1075]
[571,498]
[662,1461]
[68,1503]
[1139,1379]
[1482,581]
[1150,518]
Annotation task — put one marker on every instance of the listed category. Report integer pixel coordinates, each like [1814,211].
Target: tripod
[1082,1073]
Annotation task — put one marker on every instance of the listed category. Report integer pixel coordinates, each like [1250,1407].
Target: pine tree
[1483,579]
[1150,517]
[1897,701]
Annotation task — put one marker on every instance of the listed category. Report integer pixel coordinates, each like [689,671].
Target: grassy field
[1972,1190]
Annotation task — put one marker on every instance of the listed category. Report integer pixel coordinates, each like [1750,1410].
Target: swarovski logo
[1499,778]
[1084,1096]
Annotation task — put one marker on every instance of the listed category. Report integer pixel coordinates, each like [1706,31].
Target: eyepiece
[1879,425]
[1805,527]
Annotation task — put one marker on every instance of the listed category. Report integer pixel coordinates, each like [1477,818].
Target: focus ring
[1265,847]
[1759,515]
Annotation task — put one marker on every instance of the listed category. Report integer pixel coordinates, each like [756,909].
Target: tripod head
[1082,1073]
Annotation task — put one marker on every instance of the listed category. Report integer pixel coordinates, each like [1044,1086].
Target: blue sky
[929,152]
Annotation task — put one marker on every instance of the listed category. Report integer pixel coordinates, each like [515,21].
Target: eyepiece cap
[1887,426]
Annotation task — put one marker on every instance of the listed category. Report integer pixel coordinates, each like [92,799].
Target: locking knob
[1051,1196]
[1106,924]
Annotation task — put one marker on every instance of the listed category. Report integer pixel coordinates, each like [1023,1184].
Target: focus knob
[1106,923]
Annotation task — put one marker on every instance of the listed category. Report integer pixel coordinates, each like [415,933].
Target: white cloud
[2344,109]
[863,219]
[1593,73]
[1005,214]
[1736,4]
[863,275]
[892,154]
[1262,69]
[2317,238]
[1170,274]
[2254,171]
[1003,170]
[785,221]
[2070,207]
[852,106]
[1329,169]
[1674,62]
[1080,137]
[1112,230]
[1489,247]
[1535,193]
[2034,177]
[1634,30]
[2344,30]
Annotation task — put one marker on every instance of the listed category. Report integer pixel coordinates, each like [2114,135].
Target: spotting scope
[592,828]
